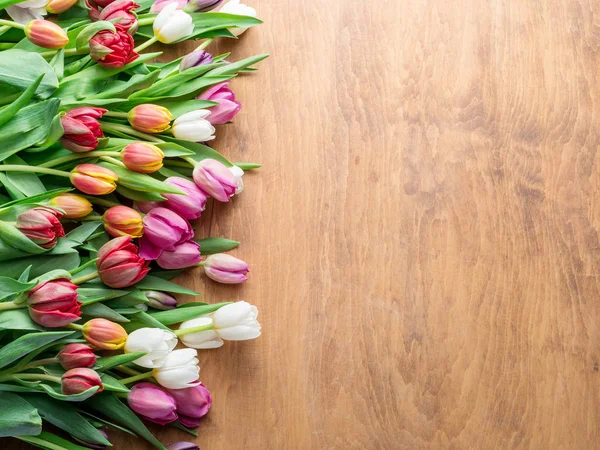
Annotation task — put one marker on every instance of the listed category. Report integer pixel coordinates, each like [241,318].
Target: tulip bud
[163,230]
[195,59]
[192,404]
[194,127]
[59,6]
[150,118]
[179,371]
[225,269]
[46,34]
[74,206]
[104,334]
[54,303]
[238,173]
[160,300]
[93,179]
[184,255]
[153,403]
[113,50]
[123,221]
[237,322]
[202,5]
[155,342]
[123,10]
[142,157]
[172,25]
[41,225]
[76,381]
[73,356]
[159,5]
[146,207]
[183,446]
[119,264]
[81,129]
[214,178]
[239,9]
[188,206]
[227,107]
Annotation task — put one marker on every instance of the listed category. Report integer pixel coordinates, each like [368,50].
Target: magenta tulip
[189,206]
[184,255]
[153,403]
[54,303]
[214,178]
[228,106]
[163,230]
[195,59]
[160,300]
[192,404]
[226,269]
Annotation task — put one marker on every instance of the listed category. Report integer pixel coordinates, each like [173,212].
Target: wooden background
[424,232]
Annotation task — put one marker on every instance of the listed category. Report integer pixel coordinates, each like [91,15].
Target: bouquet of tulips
[105,164]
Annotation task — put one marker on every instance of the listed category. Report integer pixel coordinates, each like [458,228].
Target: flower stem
[112,160]
[190,161]
[5,45]
[205,44]
[40,362]
[180,332]
[128,370]
[80,268]
[35,376]
[141,376]
[146,44]
[109,126]
[82,279]
[24,168]
[68,52]
[74,326]
[5,306]
[76,156]
[121,115]
[146,21]
[10,23]
[101,201]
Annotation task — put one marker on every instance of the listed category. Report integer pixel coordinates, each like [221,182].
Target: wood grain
[423,235]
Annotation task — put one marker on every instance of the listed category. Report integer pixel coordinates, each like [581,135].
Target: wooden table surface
[423,235]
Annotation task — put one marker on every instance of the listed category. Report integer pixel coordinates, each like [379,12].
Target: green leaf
[103,311]
[112,384]
[103,364]
[27,343]
[50,441]
[151,283]
[35,198]
[97,294]
[109,405]
[58,64]
[180,108]
[89,31]
[182,314]
[22,75]
[9,286]
[139,181]
[83,231]
[70,398]
[140,196]
[55,132]
[171,150]
[18,319]
[98,72]
[200,151]
[27,183]
[11,234]
[233,68]
[7,113]
[18,418]
[65,416]
[145,319]
[212,245]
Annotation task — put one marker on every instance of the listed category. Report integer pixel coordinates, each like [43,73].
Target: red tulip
[54,303]
[82,129]
[41,225]
[73,356]
[123,10]
[76,381]
[119,264]
[113,50]
[93,179]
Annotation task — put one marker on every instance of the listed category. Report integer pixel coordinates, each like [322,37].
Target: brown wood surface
[424,232]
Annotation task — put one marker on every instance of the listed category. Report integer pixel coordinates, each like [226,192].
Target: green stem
[101,201]
[190,160]
[91,218]
[5,306]
[169,162]
[76,156]
[68,52]
[23,168]
[10,23]
[146,21]
[82,279]
[247,166]
[109,126]
[121,115]
[205,44]
[83,266]
[180,332]
[127,370]
[40,362]
[74,326]
[146,44]
[31,376]
[112,160]
[141,376]
[5,45]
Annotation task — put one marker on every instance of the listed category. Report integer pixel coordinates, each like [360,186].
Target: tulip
[155,342]
[237,322]
[73,356]
[204,339]
[239,9]
[74,206]
[153,403]
[202,5]
[123,10]
[59,6]
[54,303]
[161,300]
[179,371]
[76,381]
[113,50]
[188,206]
[81,129]
[104,334]
[227,108]
[184,255]
[172,25]
[46,34]
[195,59]
[27,11]
[225,269]
[238,173]
[93,179]
[183,446]
[150,118]
[194,127]
[101,3]
[163,230]
[214,178]
[142,157]
[123,221]
[92,444]
[192,404]
[41,225]
[146,207]
[159,5]
[119,264]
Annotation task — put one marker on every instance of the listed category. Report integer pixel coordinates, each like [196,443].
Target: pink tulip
[76,355]
[184,255]
[41,225]
[54,303]
[119,264]
[226,269]
[76,381]
[158,5]
[192,404]
[189,206]
[214,178]
[163,230]
[227,108]
[153,403]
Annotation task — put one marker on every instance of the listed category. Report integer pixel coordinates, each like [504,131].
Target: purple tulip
[158,5]
[184,255]
[183,446]
[226,269]
[160,300]
[195,59]
[189,206]
[92,444]
[153,403]
[192,404]
[163,230]
[202,5]
[146,207]
[227,108]
[215,179]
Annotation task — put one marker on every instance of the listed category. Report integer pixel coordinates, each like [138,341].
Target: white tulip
[179,371]
[200,339]
[239,9]
[156,343]
[194,127]
[238,174]
[237,322]
[172,24]
[26,11]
